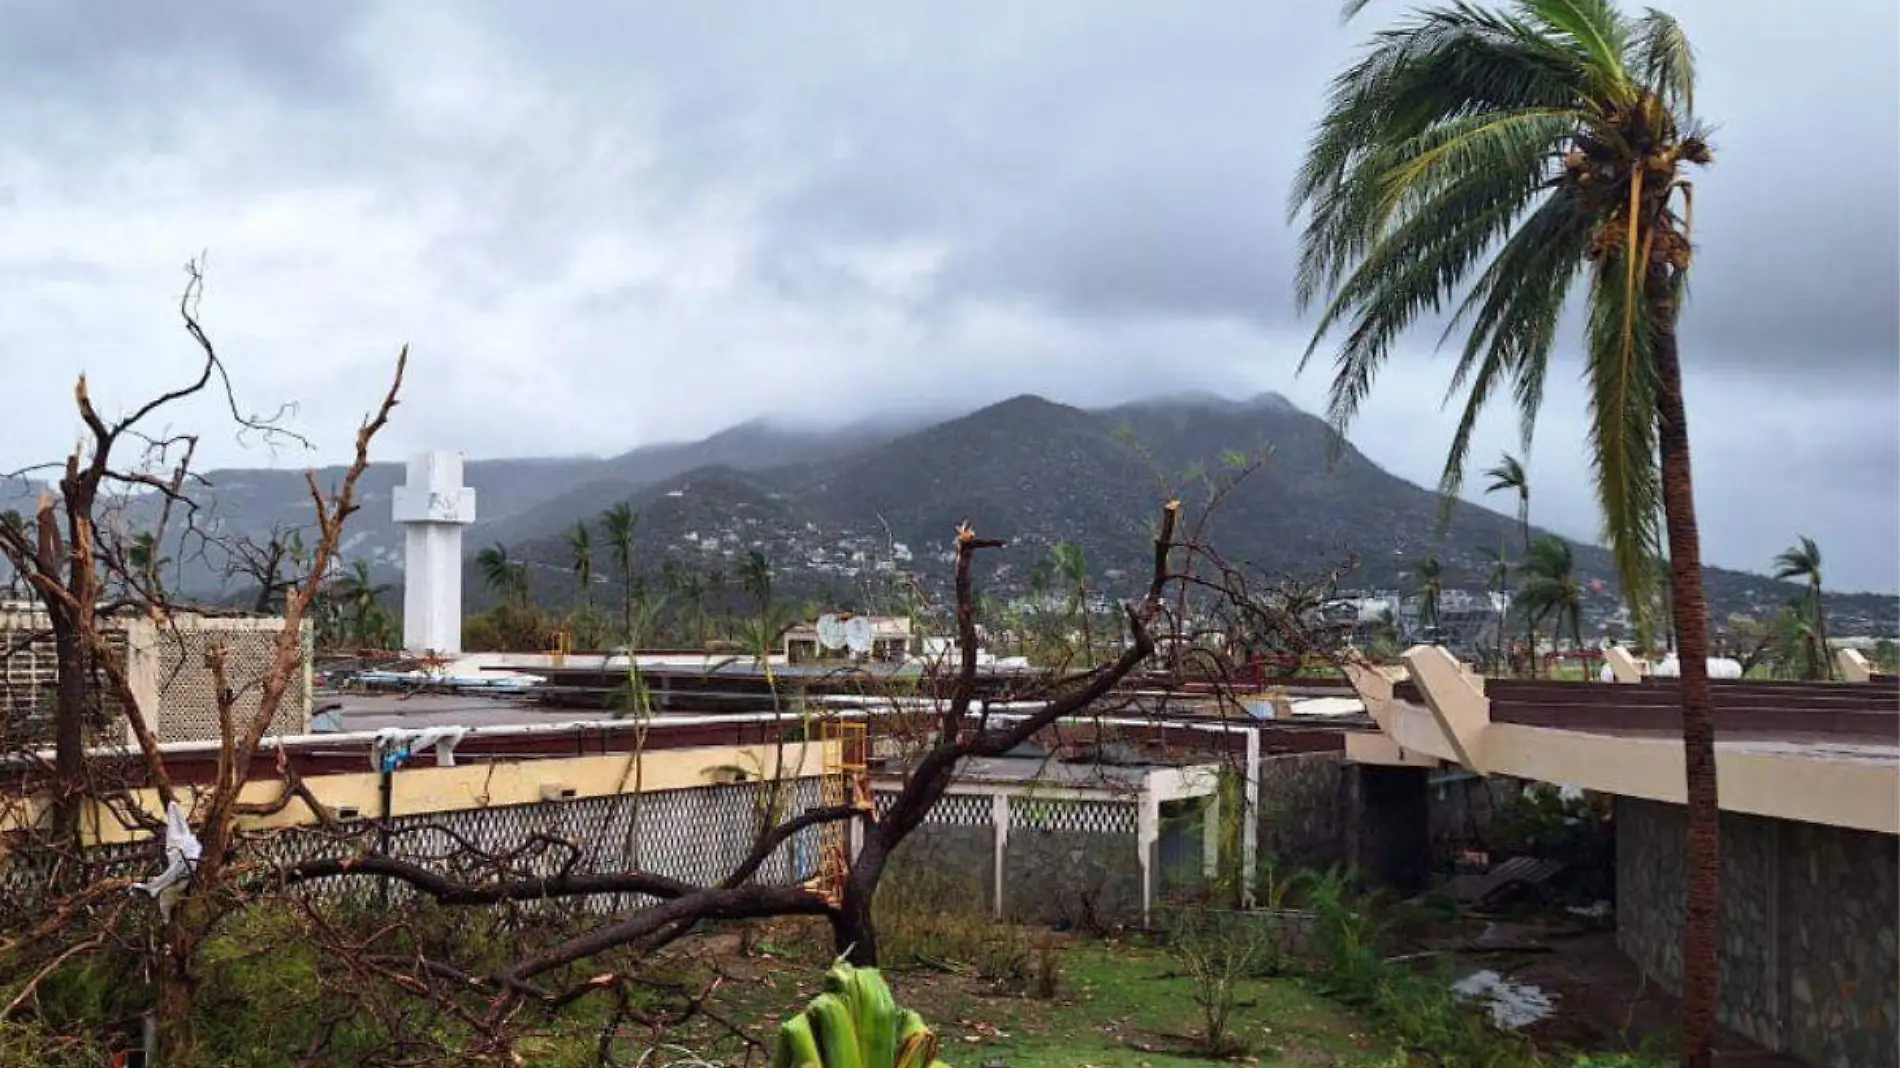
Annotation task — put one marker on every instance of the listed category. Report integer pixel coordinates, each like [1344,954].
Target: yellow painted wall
[420,787]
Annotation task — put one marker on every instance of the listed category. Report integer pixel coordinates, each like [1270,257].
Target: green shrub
[26,1045]
[1218,949]
[1418,1010]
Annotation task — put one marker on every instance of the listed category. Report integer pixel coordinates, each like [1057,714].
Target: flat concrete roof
[374,711]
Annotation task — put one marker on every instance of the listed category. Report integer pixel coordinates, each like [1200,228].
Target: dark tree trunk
[854,932]
[1701,928]
[69,724]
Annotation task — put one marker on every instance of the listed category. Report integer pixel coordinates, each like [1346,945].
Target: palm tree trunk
[1820,630]
[1701,928]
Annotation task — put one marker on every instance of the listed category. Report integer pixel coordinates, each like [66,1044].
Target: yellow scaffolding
[846,745]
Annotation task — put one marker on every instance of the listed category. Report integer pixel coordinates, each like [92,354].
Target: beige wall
[1838,784]
[420,788]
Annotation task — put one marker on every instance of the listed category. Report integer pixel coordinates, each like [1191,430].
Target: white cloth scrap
[182,850]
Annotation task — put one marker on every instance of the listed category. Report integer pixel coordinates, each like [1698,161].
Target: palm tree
[580,547]
[1509,475]
[1550,590]
[504,577]
[1385,633]
[692,587]
[1066,560]
[359,594]
[147,561]
[1499,587]
[755,578]
[1803,561]
[716,594]
[618,526]
[1506,154]
[1431,587]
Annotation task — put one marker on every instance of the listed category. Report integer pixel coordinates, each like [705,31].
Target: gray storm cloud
[600,228]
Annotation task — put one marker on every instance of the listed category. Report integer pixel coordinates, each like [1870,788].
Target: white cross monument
[434,506]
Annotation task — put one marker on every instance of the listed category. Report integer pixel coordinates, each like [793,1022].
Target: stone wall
[1303,809]
[1318,811]
[1071,878]
[1463,808]
[947,865]
[1808,962]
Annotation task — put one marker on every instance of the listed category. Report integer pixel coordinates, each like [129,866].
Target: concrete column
[1147,835]
[434,507]
[999,816]
[1210,836]
[1250,821]
[141,673]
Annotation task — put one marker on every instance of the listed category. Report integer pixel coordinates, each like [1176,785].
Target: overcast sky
[599,229]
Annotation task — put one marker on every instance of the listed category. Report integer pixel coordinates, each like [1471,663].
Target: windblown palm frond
[1476,164]
[1802,561]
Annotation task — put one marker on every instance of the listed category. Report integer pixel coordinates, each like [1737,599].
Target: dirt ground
[1602,1000]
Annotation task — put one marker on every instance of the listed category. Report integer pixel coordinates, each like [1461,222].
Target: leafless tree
[79,562]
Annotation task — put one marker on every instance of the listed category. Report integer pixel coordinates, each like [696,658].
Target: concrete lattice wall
[1808,955]
[165,666]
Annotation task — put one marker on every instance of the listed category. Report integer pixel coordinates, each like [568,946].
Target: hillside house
[890,639]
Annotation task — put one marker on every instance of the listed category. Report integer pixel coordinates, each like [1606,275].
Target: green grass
[1118,1006]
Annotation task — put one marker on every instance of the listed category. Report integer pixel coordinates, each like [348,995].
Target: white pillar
[999,851]
[1250,820]
[434,506]
[1147,834]
[1210,835]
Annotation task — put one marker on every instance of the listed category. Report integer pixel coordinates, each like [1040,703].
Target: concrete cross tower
[434,506]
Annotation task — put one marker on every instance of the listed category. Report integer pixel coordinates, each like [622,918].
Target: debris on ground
[1513,1005]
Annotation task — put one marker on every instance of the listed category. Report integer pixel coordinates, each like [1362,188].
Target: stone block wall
[1808,962]
[1303,809]
[1074,878]
[1464,807]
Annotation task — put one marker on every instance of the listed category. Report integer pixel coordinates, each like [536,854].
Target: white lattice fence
[1065,814]
[963,810]
[696,835]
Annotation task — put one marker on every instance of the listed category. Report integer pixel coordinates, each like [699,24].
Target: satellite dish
[857,634]
[831,632]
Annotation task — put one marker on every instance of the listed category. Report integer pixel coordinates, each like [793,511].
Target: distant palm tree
[359,595]
[1550,590]
[619,525]
[755,578]
[1067,561]
[1431,587]
[716,595]
[692,587]
[1489,162]
[1509,475]
[506,578]
[1499,586]
[1385,632]
[1803,561]
[147,562]
[580,547]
